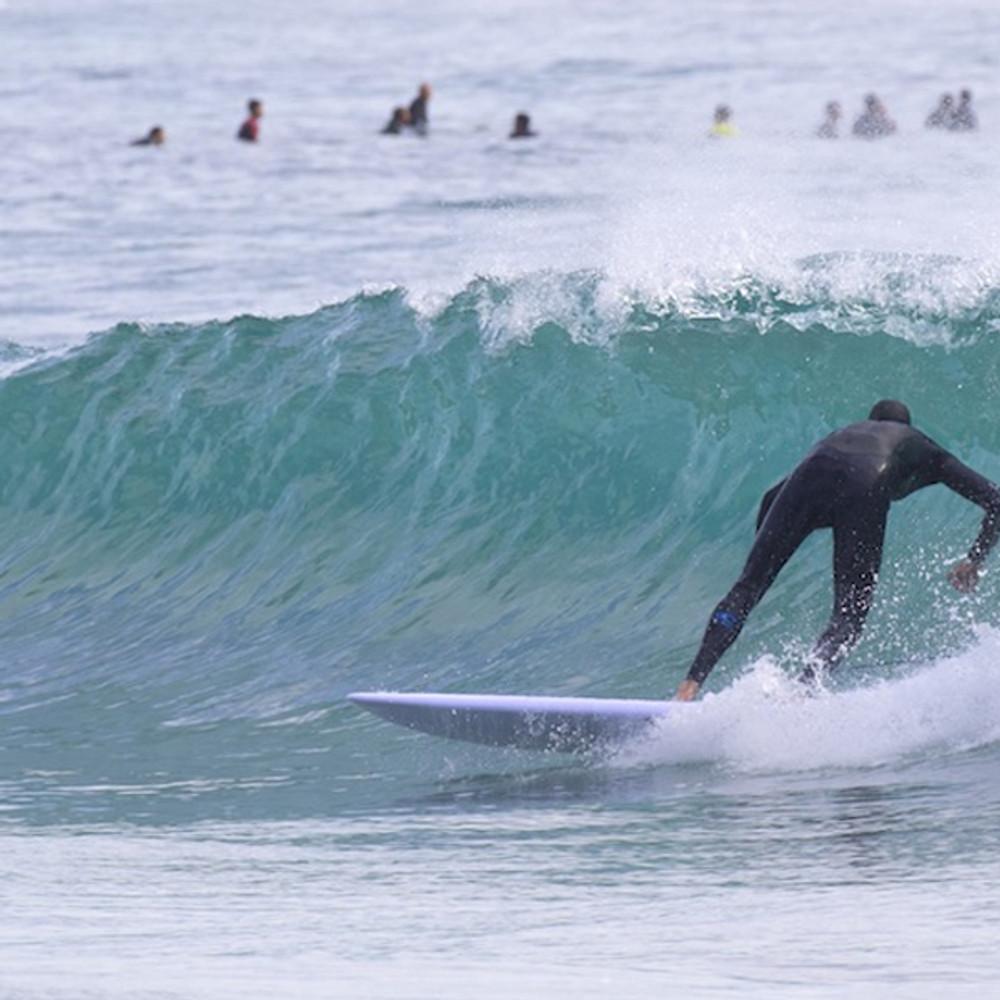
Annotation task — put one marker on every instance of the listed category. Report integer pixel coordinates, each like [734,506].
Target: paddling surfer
[847,483]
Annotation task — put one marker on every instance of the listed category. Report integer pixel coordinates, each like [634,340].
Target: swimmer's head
[255,108]
[723,113]
[890,409]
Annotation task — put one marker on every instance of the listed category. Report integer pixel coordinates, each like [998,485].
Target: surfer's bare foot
[687,691]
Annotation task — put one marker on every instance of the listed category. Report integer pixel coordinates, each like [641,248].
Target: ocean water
[343,411]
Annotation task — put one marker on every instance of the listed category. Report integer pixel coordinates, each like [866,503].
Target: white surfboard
[570,725]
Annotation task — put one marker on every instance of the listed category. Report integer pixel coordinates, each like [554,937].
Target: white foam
[766,721]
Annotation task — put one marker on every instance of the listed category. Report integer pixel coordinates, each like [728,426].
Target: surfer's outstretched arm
[981,491]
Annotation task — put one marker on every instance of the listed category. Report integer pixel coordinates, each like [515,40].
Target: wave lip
[927,300]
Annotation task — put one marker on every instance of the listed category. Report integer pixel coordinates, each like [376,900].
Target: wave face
[542,485]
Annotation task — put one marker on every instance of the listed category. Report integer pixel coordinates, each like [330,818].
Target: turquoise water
[342,413]
[213,533]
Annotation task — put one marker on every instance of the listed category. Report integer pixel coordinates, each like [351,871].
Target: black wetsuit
[847,483]
[418,115]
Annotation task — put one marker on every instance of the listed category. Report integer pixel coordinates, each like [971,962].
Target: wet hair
[890,409]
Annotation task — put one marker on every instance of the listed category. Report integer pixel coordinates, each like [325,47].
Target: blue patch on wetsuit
[727,619]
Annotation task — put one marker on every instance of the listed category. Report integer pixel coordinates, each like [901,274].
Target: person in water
[399,120]
[522,127]
[874,122]
[418,109]
[829,125]
[847,483]
[154,137]
[964,118]
[722,125]
[942,115]
[250,129]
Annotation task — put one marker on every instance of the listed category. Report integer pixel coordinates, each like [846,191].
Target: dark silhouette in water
[964,119]
[722,126]
[418,110]
[942,115]
[522,127]
[250,129]
[154,137]
[399,120]
[874,122]
[829,127]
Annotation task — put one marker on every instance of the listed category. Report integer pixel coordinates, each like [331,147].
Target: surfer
[874,122]
[942,115]
[522,127]
[250,129]
[722,125]
[828,129]
[399,120]
[418,109]
[847,483]
[964,118]
[154,137]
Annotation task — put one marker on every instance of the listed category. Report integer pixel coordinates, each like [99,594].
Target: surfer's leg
[857,556]
[782,532]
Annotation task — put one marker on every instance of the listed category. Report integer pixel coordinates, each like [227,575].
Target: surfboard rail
[527,722]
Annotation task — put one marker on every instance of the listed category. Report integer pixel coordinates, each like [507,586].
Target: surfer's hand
[687,690]
[964,576]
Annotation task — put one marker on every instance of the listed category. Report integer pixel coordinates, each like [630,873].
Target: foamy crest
[925,300]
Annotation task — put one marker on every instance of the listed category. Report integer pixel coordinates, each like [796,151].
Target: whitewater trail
[768,722]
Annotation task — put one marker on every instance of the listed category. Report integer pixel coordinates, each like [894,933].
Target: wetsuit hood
[890,409]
